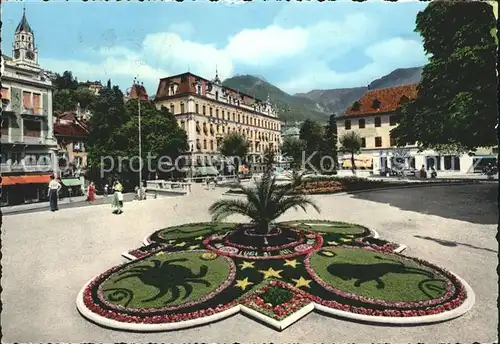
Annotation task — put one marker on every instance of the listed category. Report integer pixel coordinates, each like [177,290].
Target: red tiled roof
[67,116]
[388,98]
[138,91]
[187,84]
[73,130]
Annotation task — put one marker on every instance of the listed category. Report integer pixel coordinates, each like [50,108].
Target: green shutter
[17,99]
[45,104]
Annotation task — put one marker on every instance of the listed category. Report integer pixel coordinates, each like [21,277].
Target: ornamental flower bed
[191,276]
[277,311]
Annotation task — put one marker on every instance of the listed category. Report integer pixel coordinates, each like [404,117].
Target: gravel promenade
[48,257]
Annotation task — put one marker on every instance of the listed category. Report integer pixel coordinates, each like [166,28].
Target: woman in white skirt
[117,203]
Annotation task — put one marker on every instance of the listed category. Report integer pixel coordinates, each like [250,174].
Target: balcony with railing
[24,139]
[7,106]
[32,111]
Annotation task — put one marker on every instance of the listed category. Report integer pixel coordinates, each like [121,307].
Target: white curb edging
[141,327]
[280,325]
[418,320]
[374,234]
[128,256]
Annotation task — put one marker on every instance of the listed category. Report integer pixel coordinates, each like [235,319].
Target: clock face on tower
[30,55]
[16,54]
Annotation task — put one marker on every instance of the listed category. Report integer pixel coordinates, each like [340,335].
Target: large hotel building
[208,111]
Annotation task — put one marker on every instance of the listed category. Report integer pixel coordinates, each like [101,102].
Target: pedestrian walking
[91,193]
[54,187]
[117,202]
[106,190]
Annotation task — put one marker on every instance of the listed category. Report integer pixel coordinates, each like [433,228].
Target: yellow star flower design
[271,273]
[171,241]
[332,243]
[243,284]
[346,240]
[245,265]
[181,244]
[193,247]
[301,282]
[199,238]
[293,263]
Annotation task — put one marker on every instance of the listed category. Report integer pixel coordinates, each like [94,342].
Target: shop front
[24,189]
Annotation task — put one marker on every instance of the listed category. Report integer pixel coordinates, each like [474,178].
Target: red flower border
[278,312]
[450,284]
[317,246]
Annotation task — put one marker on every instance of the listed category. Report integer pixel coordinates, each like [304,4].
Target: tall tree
[330,140]
[456,105]
[103,141]
[162,139]
[269,157]
[236,146]
[312,134]
[351,143]
[292,148]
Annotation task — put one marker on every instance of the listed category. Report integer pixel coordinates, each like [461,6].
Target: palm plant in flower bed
[263,205]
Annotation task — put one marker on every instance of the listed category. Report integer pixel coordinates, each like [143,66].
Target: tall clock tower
[24,51]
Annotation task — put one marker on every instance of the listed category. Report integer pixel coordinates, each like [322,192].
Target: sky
[297,46]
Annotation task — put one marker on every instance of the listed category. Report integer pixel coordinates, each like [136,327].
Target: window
[378,141]
[36,103]
[392,120]
[361,123]
[183,124]
[216,95]
[27,100]
[182,107]
[378,121]
[392,141]
[199,89]
[363,142]
[204,110]
[211,145]
[217,113]
[234,116]
[197,108]
[5,126]
[451,163]
[239,118]
[32,128]
[347,124]
[204,144]
[210,111]
[223,115]
[172,109]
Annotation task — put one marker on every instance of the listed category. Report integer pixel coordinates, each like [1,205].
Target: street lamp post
[140,148]
[138,92]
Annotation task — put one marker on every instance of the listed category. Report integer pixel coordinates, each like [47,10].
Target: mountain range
[318,104]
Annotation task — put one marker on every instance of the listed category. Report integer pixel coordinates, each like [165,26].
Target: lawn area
[378,276]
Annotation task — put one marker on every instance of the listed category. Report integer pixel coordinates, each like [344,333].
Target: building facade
[373,117]
[208,111]
[28,144]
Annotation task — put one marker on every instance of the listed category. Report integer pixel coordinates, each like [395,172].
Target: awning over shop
[27,179]
[205,171]
[359,161]
[71,182]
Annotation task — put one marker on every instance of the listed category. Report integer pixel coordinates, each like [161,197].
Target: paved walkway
[48,257]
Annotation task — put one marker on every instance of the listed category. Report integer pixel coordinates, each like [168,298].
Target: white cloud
[266,46]
[308,49]
[183,29]
[385,57]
